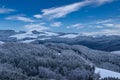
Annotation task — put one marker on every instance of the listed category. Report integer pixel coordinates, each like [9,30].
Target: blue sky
[83,16]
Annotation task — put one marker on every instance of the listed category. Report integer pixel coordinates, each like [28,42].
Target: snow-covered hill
[33,35]
[107,73]
[69,36]
[116,52]
[1,42]
[98,42]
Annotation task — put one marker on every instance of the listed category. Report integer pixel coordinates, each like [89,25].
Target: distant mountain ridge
[105,43]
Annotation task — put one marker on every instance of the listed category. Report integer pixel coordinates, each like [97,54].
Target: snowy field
[107,73]
[116,52]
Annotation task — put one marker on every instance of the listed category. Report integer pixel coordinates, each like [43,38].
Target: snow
[1,42]
[116,52]
[59,54]
[107,73]
[25,35]
[44,38]
[27,41]
[69,36]
[31,35]
[51,34]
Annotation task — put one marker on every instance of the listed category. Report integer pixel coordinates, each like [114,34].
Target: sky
[79,16]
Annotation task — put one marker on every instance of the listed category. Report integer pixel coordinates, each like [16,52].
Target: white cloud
[115,25]
[104,21]
[38,27]
[76,26]
[6,10]
[111,31]
[62,11]
[99,26]
[20,18]
[58,12]
[109,25]
[106,32]
[38,16]
[100,2]
[56,24]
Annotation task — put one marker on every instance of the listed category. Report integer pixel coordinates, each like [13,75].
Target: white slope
[44,38]
[107,73]
[116,52]
[1,42]
[27,41]
[25,35]
[69,36]
[51,34]
[31,35]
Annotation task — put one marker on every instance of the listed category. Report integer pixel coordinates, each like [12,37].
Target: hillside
[57,61]
[27,61]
